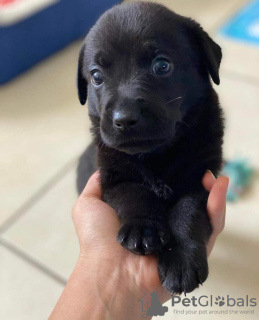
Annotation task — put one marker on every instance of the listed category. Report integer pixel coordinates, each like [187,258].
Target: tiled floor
[43,130]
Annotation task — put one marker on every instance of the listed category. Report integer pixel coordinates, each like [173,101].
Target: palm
[97,225]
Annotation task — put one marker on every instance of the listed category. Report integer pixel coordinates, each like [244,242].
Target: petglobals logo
[210,301]
[227,304]
[221,305]
[151,306]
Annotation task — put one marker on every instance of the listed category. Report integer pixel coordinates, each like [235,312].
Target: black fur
[153,162]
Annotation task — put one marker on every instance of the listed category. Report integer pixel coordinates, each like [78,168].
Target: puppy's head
[141,67]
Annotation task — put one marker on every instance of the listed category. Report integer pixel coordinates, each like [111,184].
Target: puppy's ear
[213,56]
[210,52]
[81,81]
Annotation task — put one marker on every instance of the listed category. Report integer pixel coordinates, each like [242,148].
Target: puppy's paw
[183,270]
[143,237]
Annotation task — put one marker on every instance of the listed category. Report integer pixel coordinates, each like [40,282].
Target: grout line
[37,195]
[5,242]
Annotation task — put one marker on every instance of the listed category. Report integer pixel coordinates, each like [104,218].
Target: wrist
[113,290]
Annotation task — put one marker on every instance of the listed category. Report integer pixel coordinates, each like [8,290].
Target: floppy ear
[81,81]
[213,56]
[211,52]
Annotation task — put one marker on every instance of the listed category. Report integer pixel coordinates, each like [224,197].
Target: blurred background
[44,129]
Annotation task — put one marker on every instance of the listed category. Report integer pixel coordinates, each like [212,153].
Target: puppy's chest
[165,175]
[163,186]
[161,189]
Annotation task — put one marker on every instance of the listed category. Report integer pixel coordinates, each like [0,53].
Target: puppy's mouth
[134,145]
[139,146]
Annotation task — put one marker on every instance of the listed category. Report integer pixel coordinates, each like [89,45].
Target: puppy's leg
[183,264]
[144,229]
[86,167]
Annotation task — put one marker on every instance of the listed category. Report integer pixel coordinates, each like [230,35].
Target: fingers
[93,187]
[208,180]
[216,205]
[217,198]
[216,208]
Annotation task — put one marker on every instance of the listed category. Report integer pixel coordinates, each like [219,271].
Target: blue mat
[244,25]
[27,42]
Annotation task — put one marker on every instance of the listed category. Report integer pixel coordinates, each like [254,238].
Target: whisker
[160,119]
[102,145]
[185,123]
[173,100]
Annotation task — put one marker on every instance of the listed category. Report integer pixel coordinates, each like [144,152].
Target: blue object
[38,36]
[245,24]
[240,175]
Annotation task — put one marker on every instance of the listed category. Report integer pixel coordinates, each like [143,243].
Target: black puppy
[158,127]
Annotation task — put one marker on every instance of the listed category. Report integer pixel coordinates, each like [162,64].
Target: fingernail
[98,174]
[211,173]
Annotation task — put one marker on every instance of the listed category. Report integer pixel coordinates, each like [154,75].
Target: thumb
[217,198]
[93,187]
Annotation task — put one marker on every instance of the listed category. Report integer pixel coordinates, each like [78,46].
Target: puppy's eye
[162,66]
[97,78]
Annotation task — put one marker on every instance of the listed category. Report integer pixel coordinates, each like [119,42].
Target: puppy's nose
[125,120]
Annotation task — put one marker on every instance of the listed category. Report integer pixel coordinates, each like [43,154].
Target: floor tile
[47,232]
[25,292]
[42,127]
[240,60]
[240,102]
[242,218]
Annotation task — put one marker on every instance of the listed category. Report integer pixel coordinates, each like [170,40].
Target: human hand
[216,205]
[119,272]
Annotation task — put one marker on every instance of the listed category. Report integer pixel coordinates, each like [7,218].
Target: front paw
[183,269]
[143,237]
